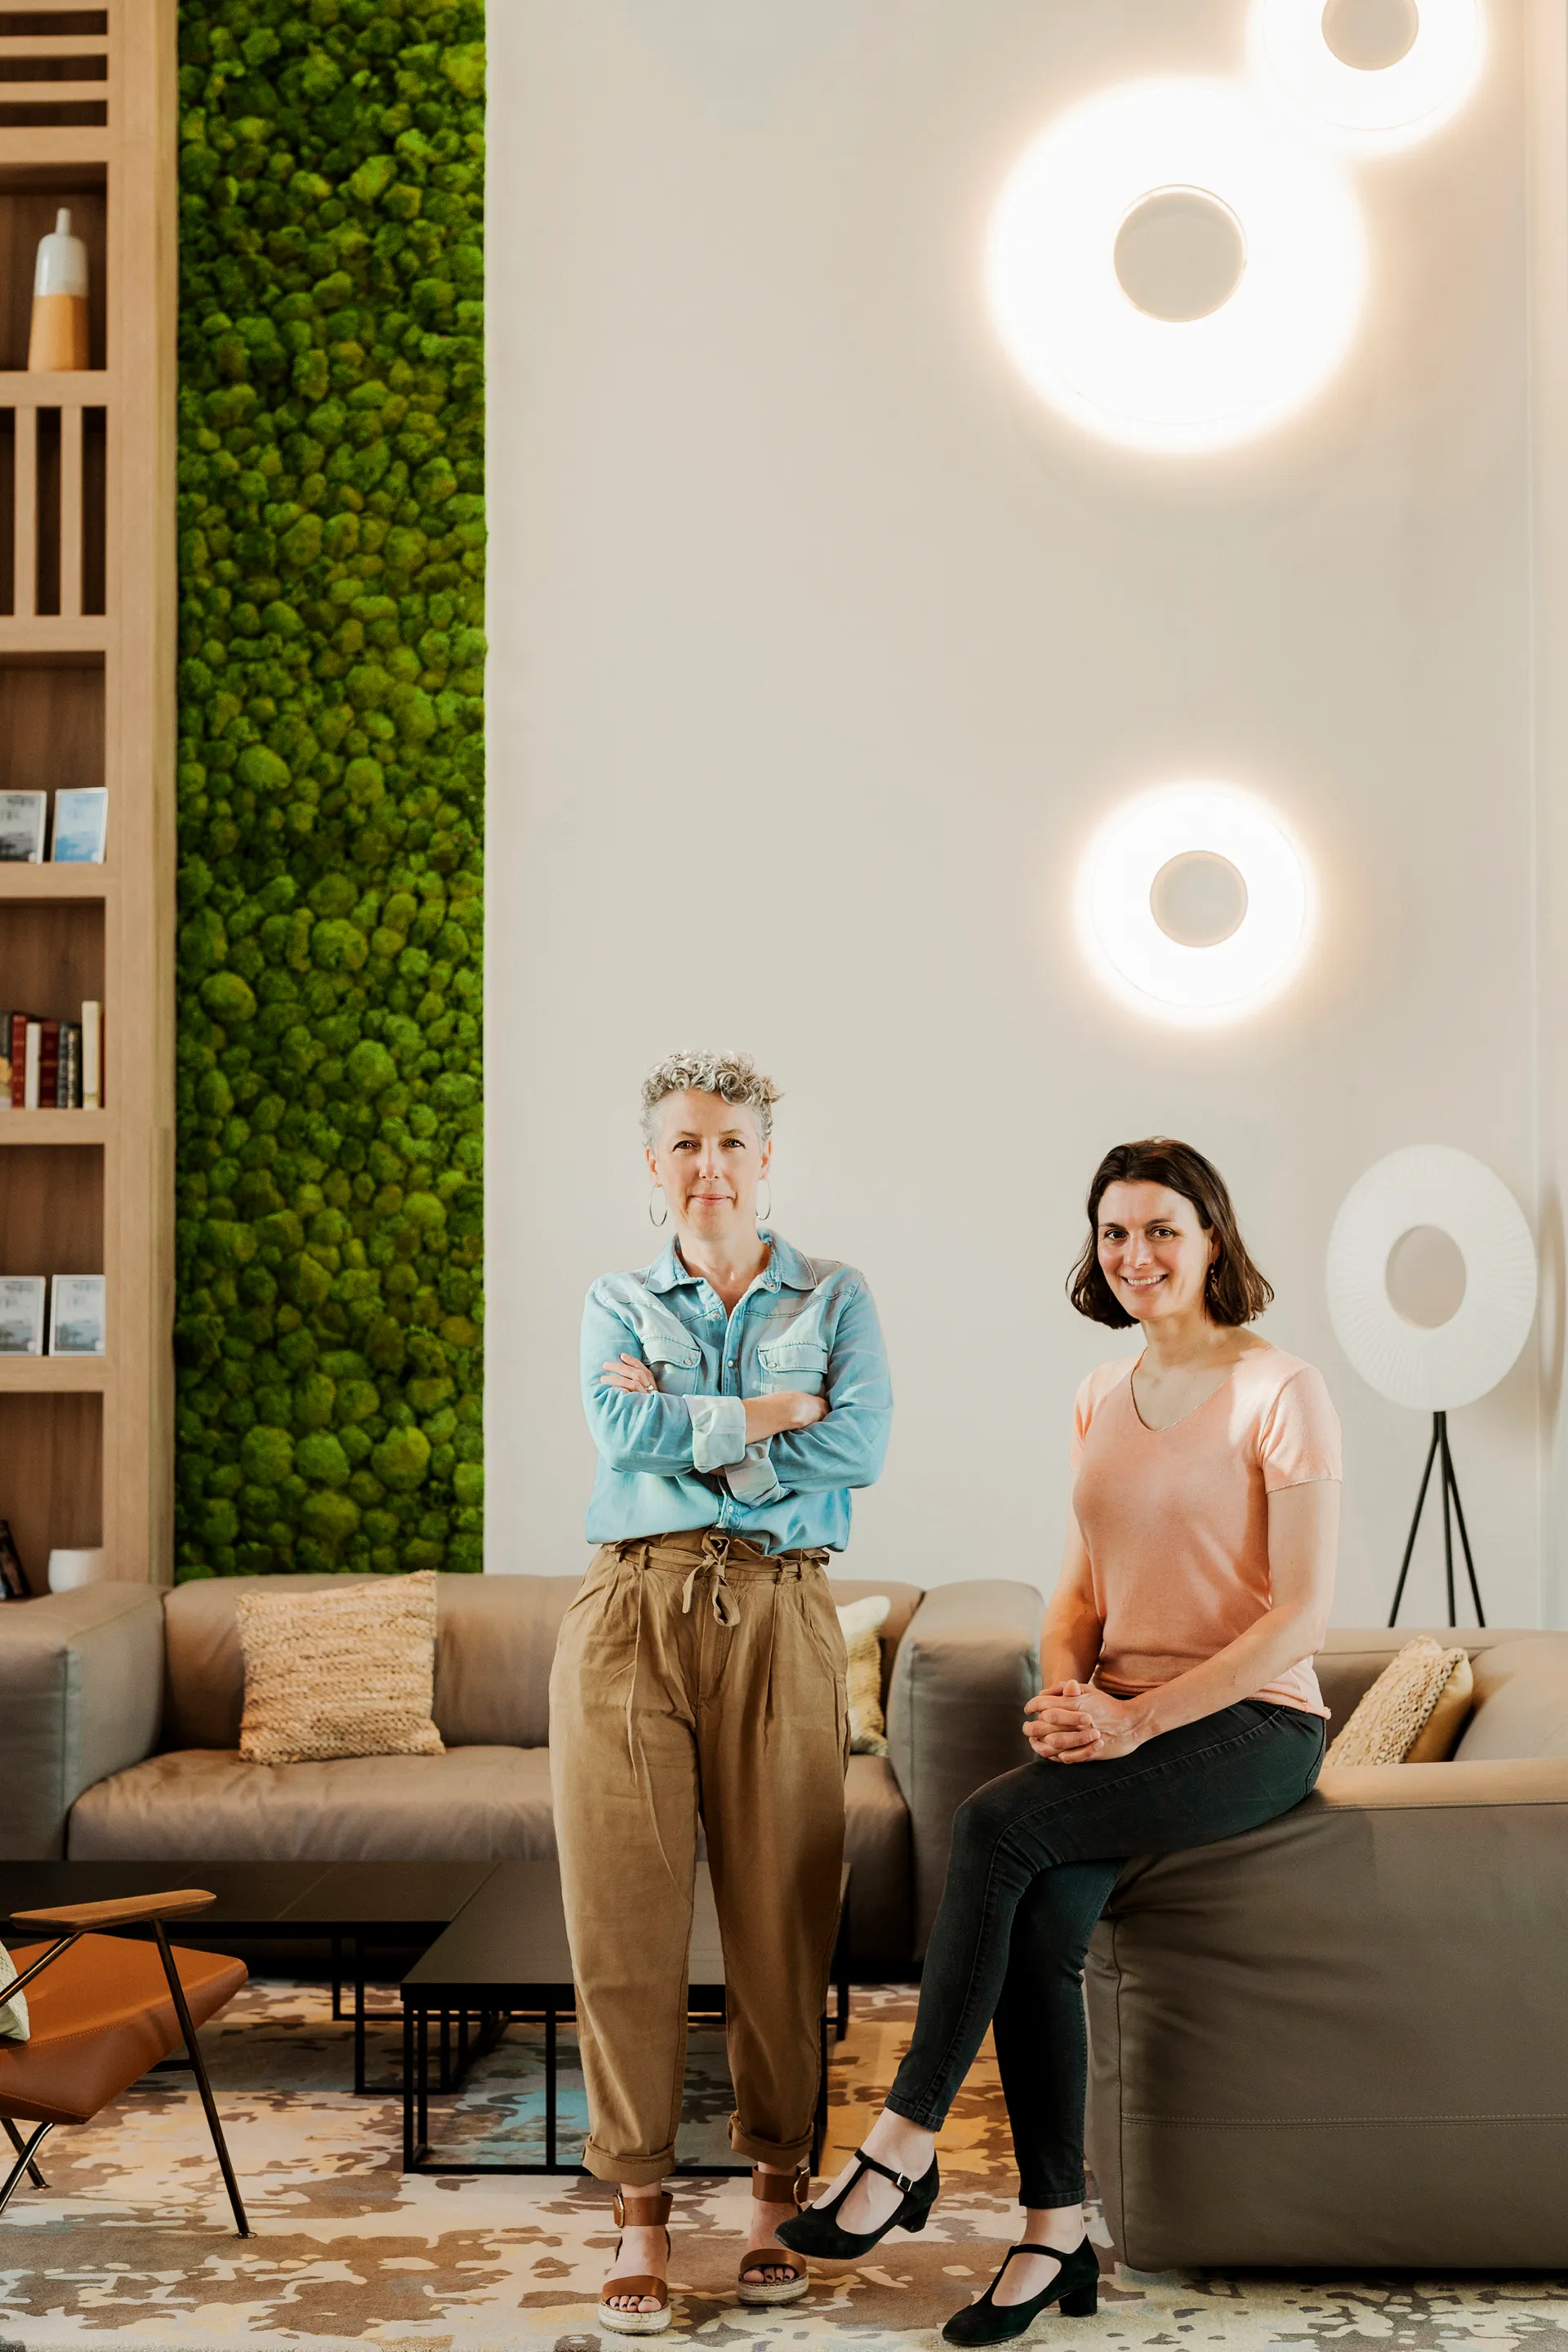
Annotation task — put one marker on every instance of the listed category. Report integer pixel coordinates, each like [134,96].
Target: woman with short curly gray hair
[737,1391]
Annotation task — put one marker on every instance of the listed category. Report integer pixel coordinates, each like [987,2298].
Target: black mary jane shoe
[816,2231]
[1076,2288]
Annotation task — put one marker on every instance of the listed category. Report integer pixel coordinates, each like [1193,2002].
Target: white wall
[818,652]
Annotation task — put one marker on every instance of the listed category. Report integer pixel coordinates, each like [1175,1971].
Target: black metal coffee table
[505,1954]
[361,1905]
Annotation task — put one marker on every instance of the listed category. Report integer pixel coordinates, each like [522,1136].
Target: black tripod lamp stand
[1438,1451]
[1433,1366]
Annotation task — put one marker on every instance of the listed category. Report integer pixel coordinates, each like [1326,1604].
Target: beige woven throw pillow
[862,1620]
[1413,1713]
[14,2024]
[339,1674]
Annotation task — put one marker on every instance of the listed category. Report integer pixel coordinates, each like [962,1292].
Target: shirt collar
[666,1272]
[785,1268]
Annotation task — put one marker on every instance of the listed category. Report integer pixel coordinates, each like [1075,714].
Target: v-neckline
[1164,1429]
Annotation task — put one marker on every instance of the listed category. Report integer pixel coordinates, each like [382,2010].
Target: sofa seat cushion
[473,1804]
[202,1805]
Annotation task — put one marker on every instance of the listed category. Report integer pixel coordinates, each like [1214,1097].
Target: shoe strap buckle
[873,2164]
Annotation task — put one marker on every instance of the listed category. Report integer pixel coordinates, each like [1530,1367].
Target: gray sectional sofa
[120,1713]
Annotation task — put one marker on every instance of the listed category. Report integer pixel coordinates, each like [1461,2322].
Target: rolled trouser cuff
[629,2171]
[929,2115]
[779,2155]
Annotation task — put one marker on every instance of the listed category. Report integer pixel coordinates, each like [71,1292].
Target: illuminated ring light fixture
[1455,1362]
[1382,74]
[1187,375]
[1160,844]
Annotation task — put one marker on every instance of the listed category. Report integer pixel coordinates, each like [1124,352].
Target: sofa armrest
[1306,2038]
[969,1659]
[81,1693]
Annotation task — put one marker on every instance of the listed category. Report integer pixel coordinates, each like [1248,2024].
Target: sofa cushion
[193,1805]
[1521,1701]
[473,1804]
[495,1637]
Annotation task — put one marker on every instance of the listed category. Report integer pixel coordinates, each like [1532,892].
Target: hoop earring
[765,1214]
[658,1221]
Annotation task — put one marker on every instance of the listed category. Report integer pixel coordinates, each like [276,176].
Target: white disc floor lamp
[1433,1370]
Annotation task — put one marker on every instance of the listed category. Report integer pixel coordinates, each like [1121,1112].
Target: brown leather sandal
[641,2208]
[770,2189]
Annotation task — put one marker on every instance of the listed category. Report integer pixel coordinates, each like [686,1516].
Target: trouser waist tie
[715,1557]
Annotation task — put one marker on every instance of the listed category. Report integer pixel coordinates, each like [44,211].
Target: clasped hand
[1074,1723]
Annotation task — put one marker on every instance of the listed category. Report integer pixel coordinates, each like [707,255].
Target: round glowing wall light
[1380,73]
[1195,902]
[1169,269]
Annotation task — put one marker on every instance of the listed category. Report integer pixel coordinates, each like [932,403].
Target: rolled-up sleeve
[635,1434]
[848,1448]
[718,1432]
[752,1480]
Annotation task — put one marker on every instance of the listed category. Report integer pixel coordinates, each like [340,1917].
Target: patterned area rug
[133,2240]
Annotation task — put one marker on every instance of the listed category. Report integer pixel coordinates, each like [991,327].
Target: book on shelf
[22,1313]
[76,1315]
[47,1064]
[67,1089]
[14,1584]
[81,820]
[23,820]
[91,1097]
[17,1038]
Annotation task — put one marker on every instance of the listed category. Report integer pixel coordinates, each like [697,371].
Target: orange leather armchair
[104,2010]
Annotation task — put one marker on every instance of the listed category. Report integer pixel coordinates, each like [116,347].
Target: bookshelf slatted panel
[86,606]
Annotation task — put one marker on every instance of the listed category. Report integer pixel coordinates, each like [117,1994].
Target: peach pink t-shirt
[1176,1520]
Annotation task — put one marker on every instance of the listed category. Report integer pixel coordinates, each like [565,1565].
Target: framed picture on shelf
[76,1315]
[14,1584]
[22,1313]
[23,817]
[81,820]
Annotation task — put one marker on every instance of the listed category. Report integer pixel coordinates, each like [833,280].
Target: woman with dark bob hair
[1178,1706]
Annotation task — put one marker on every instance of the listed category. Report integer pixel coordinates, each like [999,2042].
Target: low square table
[506,1953]
[361,1903]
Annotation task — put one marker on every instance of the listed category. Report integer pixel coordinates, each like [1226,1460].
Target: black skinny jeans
[1035,1856]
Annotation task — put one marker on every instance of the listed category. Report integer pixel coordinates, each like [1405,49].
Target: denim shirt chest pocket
[795,1364]
[677,1363]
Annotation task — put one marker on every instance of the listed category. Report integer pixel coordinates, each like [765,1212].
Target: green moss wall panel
[331,786]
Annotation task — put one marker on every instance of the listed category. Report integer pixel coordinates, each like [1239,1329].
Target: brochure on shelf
[76,1315]
[81,821]
[22,1313]
[23,818]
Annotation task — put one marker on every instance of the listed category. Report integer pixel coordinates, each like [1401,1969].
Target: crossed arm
[1071,1722]
[792,1442]
[766,1417]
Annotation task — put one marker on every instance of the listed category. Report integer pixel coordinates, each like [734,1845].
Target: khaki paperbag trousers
[697,1678]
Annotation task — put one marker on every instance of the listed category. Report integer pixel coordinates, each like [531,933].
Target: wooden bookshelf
[54,1376]
[87,697]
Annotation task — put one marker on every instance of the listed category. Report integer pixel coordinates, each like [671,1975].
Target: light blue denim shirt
[679,1459]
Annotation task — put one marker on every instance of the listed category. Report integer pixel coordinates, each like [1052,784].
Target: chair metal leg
[198,2067]
[15,2137]
[24,2153]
